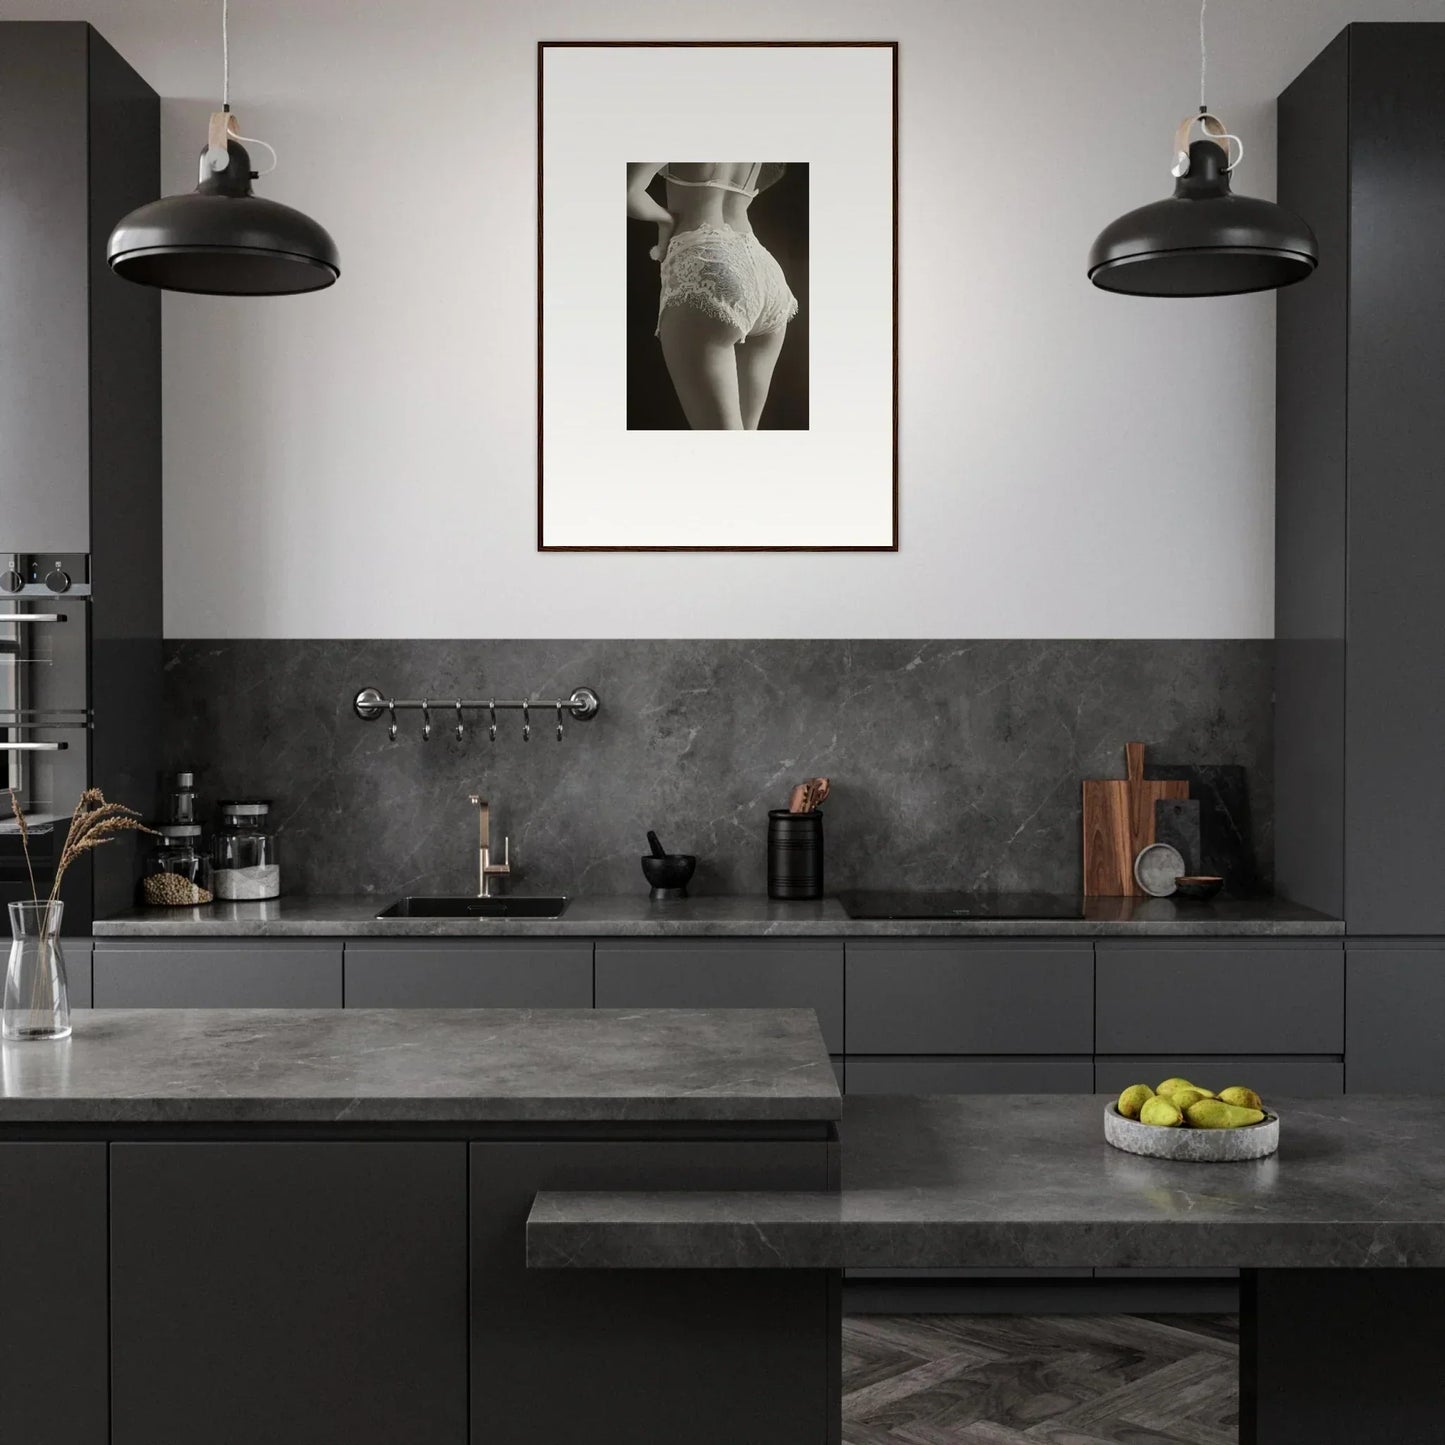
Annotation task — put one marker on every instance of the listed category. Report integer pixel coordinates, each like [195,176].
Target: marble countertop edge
[720,916]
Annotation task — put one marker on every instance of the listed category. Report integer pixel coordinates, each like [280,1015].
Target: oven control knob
[58,580]
[11,581]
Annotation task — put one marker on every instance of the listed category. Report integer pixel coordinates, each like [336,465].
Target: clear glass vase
[37,1001]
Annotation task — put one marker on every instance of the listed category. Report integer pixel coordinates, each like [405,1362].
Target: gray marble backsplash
[954,764]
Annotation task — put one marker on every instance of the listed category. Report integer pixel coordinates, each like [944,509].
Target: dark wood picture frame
[542,47]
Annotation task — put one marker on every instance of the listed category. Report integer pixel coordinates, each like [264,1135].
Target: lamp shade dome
[1203,240]
[224,240]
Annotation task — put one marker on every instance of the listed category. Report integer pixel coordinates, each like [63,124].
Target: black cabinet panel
[204,973]
[1394,1019]
[1395,686]
[54,1385]
[312,1293]
[1311,495]
[970,1076]
[77,953]
[1158,996]
[952,996]
[712,973]
[1360,513]
[710,1357]
[44,312]
[458,973]
[1285,1078]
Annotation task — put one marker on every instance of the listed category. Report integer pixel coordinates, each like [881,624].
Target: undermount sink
[473,907]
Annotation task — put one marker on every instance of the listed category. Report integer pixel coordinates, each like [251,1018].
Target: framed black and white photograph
[678,299]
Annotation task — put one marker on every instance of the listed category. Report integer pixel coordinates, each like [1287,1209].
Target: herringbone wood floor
[1040,1380]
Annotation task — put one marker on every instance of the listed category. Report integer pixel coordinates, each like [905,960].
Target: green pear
[1159,1111]
[1216,1114]
[1245,1098]
[1133,1099]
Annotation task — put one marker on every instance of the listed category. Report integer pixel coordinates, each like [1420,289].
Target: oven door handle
[33,747]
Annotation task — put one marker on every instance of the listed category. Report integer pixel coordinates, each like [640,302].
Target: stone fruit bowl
[1194,1146]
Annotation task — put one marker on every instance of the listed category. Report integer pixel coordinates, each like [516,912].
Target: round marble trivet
[1194,1146]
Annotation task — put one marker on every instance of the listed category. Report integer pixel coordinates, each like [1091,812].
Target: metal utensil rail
[370,703]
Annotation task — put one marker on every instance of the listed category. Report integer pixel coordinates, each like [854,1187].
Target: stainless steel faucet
[486,869]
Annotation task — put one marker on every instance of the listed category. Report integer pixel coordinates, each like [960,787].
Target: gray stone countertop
[1027,1181]
[422,1066]
[720,917]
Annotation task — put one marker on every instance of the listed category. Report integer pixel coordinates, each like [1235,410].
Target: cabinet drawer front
[502,974]
[1295,1078]
[707,974]
[970,1076]
[1220,998]
[925,997]
[1396,1002]
[296,1293]
[200,974]
[77,953]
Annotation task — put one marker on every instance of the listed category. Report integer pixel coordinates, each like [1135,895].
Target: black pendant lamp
[222,239]
[1203,240]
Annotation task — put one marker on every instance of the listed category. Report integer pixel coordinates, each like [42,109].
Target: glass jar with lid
[243,853]
[177,871]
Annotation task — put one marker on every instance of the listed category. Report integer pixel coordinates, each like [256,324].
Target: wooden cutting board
[1119,822]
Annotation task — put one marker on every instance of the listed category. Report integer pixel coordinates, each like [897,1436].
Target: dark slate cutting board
[1176,822]
[1226,838]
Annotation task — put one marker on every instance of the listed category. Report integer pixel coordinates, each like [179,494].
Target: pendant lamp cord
[216,160]
[1203,55]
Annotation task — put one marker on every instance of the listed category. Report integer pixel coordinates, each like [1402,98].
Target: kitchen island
[297,1225]
[1341,1235]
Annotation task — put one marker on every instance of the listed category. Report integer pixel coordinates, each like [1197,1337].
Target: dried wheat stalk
[24,840]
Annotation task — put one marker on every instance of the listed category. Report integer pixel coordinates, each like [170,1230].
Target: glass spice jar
[243,852]
[177,871]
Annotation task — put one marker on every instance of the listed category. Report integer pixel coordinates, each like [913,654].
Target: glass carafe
[37,1001]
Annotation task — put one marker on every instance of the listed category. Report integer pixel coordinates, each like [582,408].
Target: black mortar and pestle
[667,872]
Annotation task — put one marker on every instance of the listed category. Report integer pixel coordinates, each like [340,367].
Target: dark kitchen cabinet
[1163,996]
[618,1357]
[306,1293]
[218,973]
[465,973]
[54,1373]
[958,996]
[80,396]
[717,973]
[80,418]
[1394,1019]
[1360,511]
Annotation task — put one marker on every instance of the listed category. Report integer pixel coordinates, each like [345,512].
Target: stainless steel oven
[45,713]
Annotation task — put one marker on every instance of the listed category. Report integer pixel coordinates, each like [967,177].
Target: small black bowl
[669,874]
[1200,886]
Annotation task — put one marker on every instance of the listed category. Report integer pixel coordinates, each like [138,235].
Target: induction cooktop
[879,903]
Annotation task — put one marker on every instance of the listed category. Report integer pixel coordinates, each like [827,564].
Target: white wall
[362,463]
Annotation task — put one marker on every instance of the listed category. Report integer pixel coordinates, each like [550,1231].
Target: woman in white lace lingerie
[725,303]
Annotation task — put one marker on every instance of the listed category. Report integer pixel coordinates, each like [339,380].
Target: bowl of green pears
[1185,1121]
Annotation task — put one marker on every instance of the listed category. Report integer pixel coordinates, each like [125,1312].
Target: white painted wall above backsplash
[362,463]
